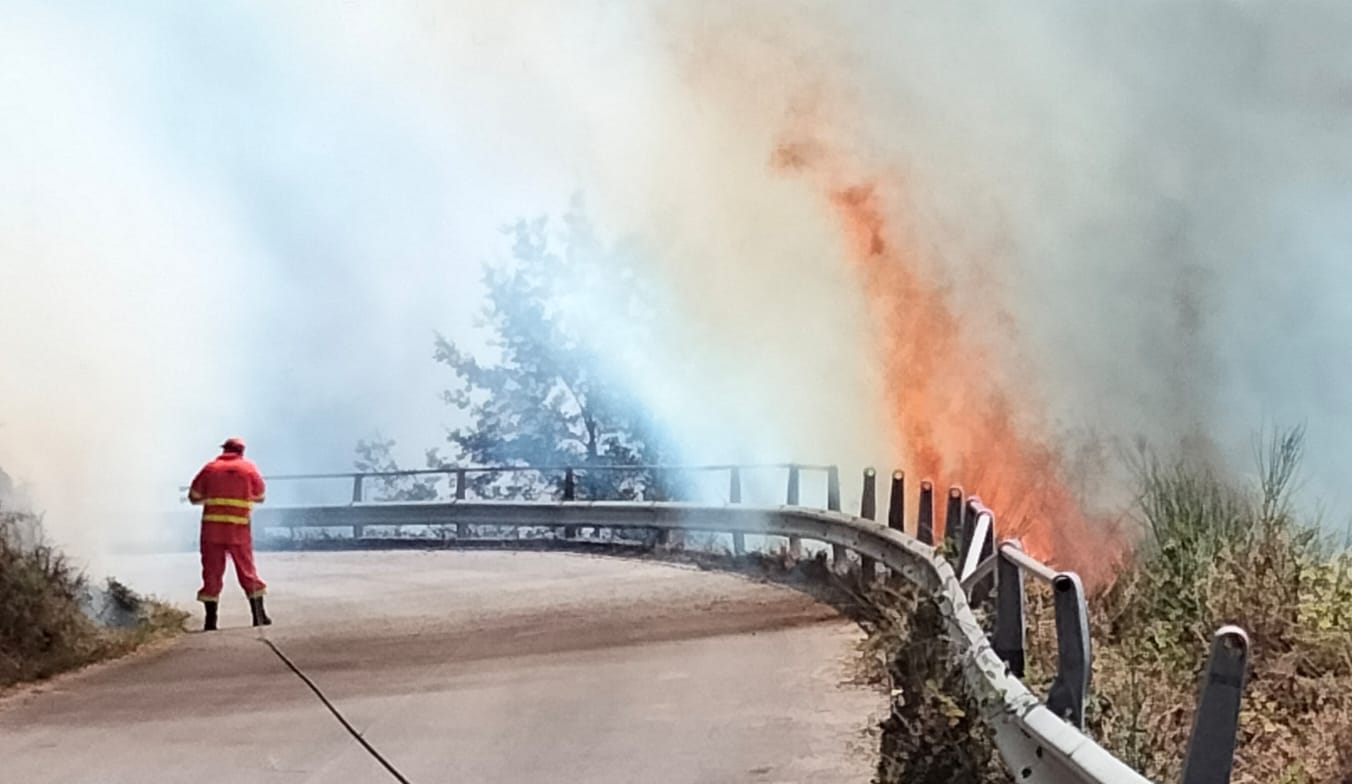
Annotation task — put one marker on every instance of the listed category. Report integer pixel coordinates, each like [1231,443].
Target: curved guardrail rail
[1039,741]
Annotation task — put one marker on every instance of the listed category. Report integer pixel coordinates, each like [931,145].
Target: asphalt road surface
[464,667]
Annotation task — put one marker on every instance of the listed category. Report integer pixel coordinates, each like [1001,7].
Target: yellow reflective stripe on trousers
[222,518]
[239,502]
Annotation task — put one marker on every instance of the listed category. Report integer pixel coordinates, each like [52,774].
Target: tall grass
[1215,550]
[1221,551]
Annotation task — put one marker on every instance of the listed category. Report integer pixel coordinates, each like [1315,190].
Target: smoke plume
[989,245]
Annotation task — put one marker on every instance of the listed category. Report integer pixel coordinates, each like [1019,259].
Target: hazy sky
[207,227]
[250,218]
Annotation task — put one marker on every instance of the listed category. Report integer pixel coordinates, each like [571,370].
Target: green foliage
[375,456]
[550,396]
[552,399]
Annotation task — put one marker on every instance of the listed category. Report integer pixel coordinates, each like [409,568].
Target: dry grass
[934,733]
[1216,552]
[1220,552]
[52,620]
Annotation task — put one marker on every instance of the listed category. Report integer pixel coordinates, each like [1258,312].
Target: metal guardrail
[566,473]
[567,477]
[1039,742]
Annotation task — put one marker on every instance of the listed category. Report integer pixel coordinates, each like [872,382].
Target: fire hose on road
[337,714]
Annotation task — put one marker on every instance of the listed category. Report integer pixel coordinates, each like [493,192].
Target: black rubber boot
[210,625]
[260,616]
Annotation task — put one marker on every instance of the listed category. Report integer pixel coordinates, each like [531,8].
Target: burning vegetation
[954,421]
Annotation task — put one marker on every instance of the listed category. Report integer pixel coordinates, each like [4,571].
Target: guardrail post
[868,509]
[953,520]
[1211,749]
[980,547]
[668,537]
[1010,634]
[969,513]
[924,518]
[896,502]
[896,509]
[983,589]
[735,497]
[975,526]
[839,555]
[461,529]
[665,536]
[569,494]
[357,488]
[795,543]
[1067,694]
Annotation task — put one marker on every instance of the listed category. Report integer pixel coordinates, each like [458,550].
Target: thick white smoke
[114,291]
[760,351]
[197,242]
[1141,208]
[1138,210]
[251,220]
[1151,189]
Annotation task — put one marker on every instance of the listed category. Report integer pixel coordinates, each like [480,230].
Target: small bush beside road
[51,618]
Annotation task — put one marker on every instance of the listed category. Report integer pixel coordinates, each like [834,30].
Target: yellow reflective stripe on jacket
[224,518]
[238,502]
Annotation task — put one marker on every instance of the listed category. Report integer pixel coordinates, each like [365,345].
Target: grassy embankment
[1213,551]
[52,620]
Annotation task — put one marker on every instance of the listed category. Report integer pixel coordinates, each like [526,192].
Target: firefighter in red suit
[227,488]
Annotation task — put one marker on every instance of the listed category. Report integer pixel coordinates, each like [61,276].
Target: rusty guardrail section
[1040,741]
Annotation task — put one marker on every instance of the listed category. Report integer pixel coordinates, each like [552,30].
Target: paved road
[465,667]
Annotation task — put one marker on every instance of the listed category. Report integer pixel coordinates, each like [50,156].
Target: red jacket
[227,488]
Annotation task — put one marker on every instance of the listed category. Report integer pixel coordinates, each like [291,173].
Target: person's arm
[256,487]
[197,492]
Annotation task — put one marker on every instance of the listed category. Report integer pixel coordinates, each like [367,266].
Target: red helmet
[234,444]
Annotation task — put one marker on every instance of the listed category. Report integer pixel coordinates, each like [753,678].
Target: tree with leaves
[375,456]
[551,397]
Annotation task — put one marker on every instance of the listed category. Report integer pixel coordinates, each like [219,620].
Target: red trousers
[238,544]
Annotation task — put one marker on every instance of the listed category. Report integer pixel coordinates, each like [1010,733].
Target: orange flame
[951,418]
